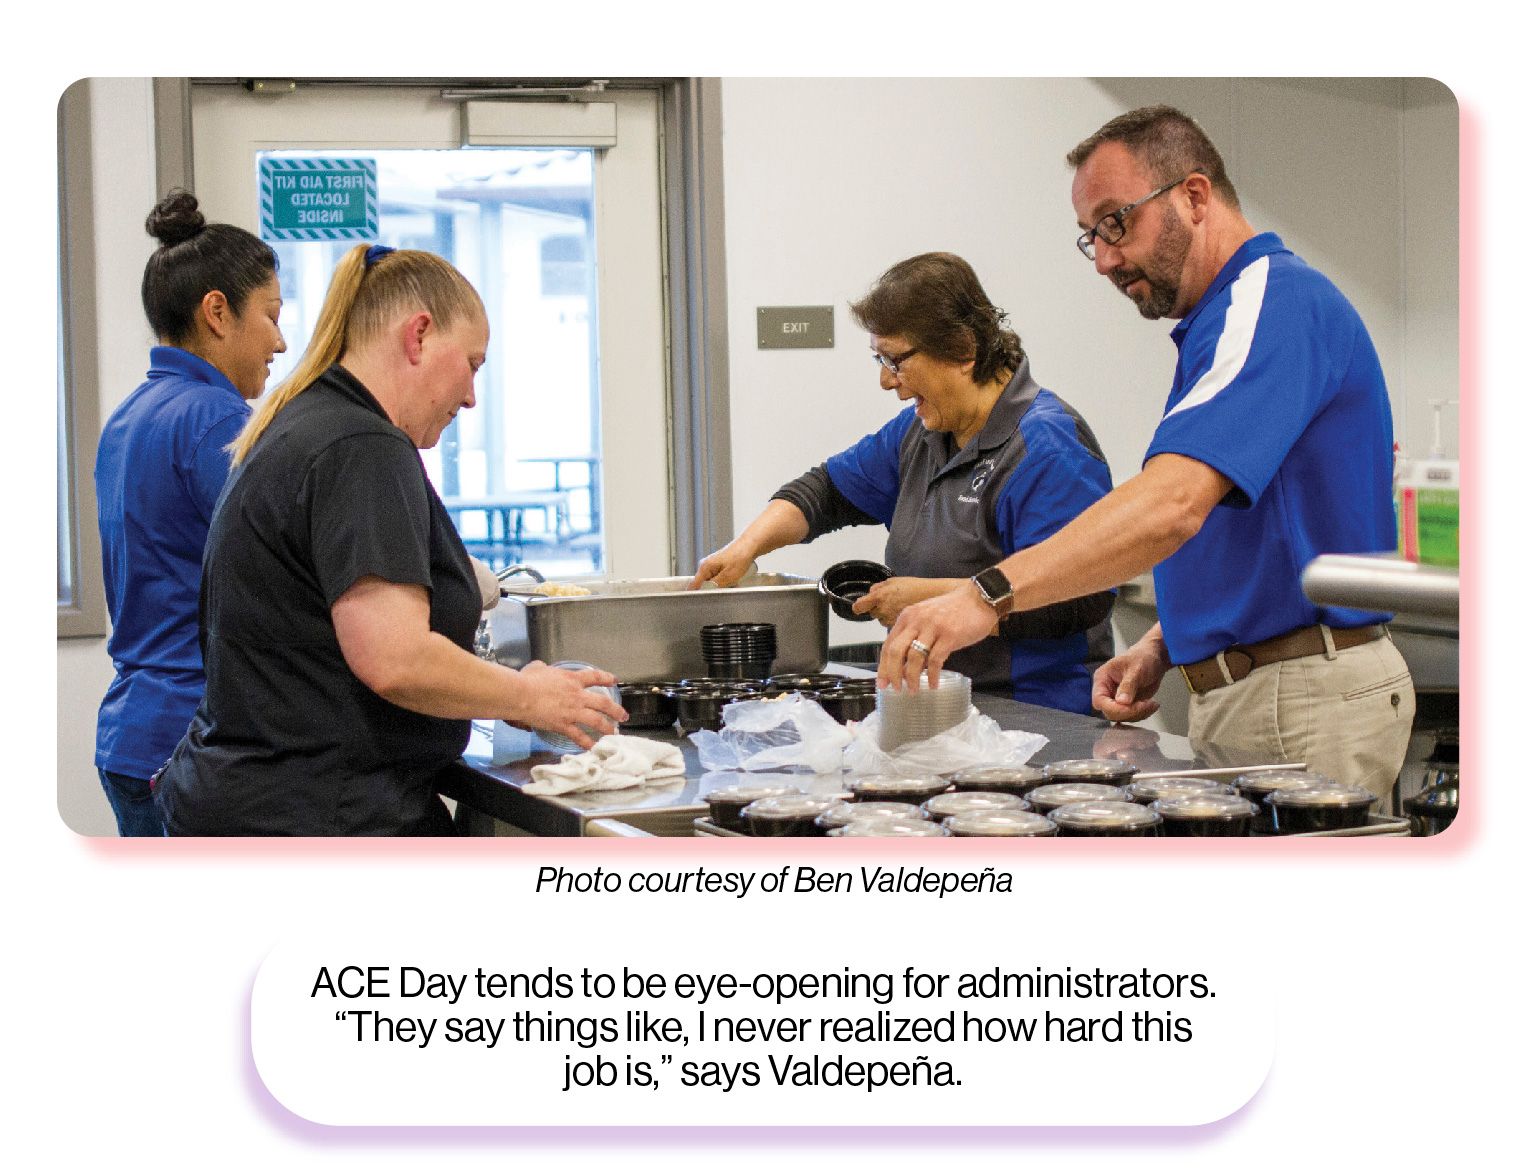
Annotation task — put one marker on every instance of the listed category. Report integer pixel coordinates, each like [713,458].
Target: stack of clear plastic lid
[911,717]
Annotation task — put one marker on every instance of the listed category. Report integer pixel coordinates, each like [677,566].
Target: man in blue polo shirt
[1274,448]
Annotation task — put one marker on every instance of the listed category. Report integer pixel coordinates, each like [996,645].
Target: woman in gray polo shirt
[981,462]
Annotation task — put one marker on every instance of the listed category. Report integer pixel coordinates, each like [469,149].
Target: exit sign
[795,327]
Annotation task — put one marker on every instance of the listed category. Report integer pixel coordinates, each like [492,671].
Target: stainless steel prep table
[488,791]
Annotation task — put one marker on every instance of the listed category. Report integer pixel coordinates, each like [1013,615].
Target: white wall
[829,182]
[125,188]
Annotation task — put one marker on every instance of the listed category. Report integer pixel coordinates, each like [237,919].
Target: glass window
[519,472]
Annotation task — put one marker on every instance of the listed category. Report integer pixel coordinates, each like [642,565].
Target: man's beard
[1162,271]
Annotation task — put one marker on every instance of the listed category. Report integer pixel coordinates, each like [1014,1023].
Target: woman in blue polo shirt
[982,460]
[211,293]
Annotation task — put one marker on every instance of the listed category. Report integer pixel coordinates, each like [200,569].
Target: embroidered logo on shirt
[977,481]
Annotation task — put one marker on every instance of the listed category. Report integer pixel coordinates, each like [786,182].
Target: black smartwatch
[996,590]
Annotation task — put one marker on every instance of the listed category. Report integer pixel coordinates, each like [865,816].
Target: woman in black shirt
[338,607]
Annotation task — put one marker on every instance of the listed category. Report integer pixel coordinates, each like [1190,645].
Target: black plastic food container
[648,705]
[895,788]
[1107,818]
[883,828]
[1257,787]
[1327,807]
[1172,787]
[727,803]
[1045,798]
[842,814]
[786,814]
[1002,780]
[1111,772]
[1000,823]
[1219,814]
[942,807]
[844,583]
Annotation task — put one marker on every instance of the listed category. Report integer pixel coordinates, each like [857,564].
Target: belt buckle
[1185,673]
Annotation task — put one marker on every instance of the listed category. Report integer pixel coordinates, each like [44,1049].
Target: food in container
[845,705]
[1207,813]
[987,822]
[1106,817]
[1171,787]
[841,814]
[1004,780]
[895,788]
[1324,807]
[801,683]
[1045,798]
[727,803]
[1257,787]
[890,826]
[1113,772]
[940,807]
[786,814]
[648,705]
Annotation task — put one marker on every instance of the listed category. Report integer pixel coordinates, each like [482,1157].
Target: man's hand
[1123,689]
[941,626]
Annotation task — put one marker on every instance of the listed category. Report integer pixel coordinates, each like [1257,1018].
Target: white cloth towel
[614,763]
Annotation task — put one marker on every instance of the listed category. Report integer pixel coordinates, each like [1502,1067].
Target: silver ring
[924,650]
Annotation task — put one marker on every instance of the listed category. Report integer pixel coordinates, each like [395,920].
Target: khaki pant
[1348,716]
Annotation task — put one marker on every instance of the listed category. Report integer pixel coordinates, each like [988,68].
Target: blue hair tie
[373,254]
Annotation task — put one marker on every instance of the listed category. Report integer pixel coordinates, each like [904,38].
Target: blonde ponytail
[361,300]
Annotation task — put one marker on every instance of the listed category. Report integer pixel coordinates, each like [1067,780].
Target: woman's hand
[886,600]
[1123,689]
[560,701]
[725,566]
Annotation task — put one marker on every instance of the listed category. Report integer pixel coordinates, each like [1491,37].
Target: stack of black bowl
[738,650]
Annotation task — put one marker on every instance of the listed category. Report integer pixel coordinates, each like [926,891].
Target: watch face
[993,583]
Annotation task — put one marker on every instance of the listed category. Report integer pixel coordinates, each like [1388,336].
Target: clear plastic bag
[976,741]
[787,733]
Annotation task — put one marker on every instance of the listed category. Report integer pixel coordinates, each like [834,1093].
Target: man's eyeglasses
[1113,227]
[894,363]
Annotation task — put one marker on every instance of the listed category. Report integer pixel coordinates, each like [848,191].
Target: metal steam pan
[650,630]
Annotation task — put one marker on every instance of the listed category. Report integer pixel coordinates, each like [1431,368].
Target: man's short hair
[1169,143]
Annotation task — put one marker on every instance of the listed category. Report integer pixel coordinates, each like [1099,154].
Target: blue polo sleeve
[868,473]
[1255,372]
[210,462]
[1056,480]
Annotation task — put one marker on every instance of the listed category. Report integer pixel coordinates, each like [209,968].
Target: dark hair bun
[176,218]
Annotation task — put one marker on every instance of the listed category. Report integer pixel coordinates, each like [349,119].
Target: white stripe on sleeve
[1236,339]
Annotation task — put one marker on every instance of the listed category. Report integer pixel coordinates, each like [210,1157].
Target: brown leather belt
[1233,665]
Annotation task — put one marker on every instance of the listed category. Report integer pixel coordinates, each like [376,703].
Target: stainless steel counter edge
[494,788]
